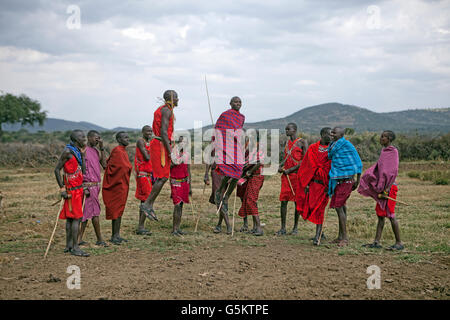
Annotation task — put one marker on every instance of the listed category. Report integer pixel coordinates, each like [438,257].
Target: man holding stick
[71,187]
[312,197]
[378,182]
[345,163]
[294,150]
[92,184]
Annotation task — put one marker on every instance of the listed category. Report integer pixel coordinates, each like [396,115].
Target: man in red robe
[248,189]
[71,188]
[143,169]
[230,157]
[116,182]
[312,197]
[294,150]
[161,149]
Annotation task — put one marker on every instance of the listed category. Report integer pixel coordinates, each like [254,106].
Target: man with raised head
[73,164]
[294,150]
[116,184]
[160,149]
[312,197]
[379,183]
[345,164]
[143,169]
[92,180]
[228,146]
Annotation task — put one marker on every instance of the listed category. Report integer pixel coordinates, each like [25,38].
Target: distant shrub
[441,181]
[414,174]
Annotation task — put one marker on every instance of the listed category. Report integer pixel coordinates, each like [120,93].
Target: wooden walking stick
[234,211]
[323,223]
[220,206]
[192,207]
[290,185]
[392,199]
[54,229]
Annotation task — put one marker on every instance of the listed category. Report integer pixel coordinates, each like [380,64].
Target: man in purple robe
[92,185]
[378,182]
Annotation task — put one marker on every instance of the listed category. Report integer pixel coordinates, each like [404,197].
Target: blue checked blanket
[345,162]
[76,152]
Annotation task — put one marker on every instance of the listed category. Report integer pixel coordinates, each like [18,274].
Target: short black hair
[73,137]
[324,130]
[118,134]
[390,134]
[146,126]
[292,124]
[92,132]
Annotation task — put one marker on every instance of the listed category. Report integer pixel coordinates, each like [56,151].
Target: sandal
[217,229]
[143,232]
[83,243]
[281,232]
[79,253]
[67,250]
[258,233]
[243,229]
[374,245]
[396,247]
[343,243]
[181,232]
[101,243]
[294,232]
[149,213]
[117,242]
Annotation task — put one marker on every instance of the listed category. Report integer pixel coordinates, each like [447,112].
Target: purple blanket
[380,176]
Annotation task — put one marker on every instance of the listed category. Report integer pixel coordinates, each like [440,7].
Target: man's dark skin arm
[252,169]
[190,177]
[355,185]
[166,114]
[141,145]
[65,156]
[102,154]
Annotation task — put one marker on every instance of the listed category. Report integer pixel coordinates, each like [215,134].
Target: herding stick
[54,229]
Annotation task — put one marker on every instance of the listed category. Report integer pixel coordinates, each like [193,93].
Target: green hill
[312,119]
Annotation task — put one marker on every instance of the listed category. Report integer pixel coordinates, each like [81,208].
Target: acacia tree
[20,109]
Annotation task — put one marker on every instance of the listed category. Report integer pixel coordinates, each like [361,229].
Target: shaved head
[337,133]
[169,95]
[74,135]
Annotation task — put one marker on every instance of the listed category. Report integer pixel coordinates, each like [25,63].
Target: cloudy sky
[108,62]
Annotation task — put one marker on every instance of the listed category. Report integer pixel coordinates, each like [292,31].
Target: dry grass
[26,218]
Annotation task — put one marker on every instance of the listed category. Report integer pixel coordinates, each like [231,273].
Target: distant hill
[312,119]
[52,124]
[309,120]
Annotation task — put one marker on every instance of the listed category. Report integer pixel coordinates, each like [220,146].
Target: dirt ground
[204,265]
[275,271]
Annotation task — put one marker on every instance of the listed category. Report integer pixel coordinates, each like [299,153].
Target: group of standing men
[310,176]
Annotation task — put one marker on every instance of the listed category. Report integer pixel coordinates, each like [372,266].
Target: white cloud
[290,54]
